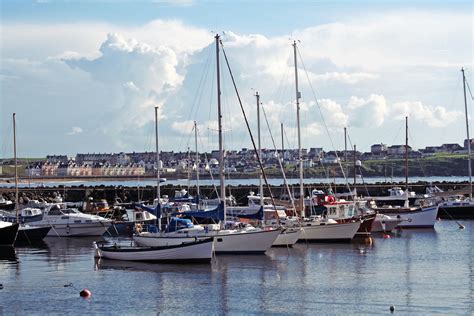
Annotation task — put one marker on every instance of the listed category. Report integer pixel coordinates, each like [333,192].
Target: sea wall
[148,193]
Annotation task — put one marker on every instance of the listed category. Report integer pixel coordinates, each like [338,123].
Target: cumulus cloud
[142,77]
[368,112]
[75,130]
[365,73]
[432,116]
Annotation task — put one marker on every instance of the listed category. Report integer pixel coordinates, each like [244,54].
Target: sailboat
[317,229]
[234,241]
[417,217]
[25,233]
[456,206]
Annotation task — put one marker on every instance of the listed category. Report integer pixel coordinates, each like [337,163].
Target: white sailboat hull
[383,223]
[330,232]
[194,251]
[75,230]
[288,237]
[421,218]
[225,241]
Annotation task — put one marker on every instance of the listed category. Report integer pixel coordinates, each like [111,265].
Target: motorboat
[26,215]
[70,222]
[414,217]
[195,251]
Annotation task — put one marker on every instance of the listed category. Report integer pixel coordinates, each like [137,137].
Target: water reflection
[106,264]
[7,254]
[66,249]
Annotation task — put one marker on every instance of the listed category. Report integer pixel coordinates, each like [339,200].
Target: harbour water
[417,271]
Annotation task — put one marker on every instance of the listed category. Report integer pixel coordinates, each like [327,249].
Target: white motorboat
[416,217]
[196,251]
[70,222]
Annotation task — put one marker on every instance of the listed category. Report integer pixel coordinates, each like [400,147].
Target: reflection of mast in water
[408,255]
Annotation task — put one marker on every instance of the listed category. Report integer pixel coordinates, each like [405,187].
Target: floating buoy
[1,286]
[461,226]
[386,236]
[85,293]
[392,308]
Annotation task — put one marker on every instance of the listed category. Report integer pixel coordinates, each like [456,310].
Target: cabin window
[77,221]
[54,211]
[64,217]
[332,211]
[219,239]
[351,210]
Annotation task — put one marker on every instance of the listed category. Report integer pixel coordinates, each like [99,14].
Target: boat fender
[85,293]
[386,236]
[138,227]
[392,308]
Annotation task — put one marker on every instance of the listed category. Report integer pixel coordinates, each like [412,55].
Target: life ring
[331,199]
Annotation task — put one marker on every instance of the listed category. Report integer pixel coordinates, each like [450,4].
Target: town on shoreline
[381,161]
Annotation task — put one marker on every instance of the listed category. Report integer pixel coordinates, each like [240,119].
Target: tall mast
[188,165]
[345,152]
[158,193]
[259,147]
[300,156]
[355,168]
[16,170]
[406,155]
[282,142]
[197,157]
[467,131]
[219,120]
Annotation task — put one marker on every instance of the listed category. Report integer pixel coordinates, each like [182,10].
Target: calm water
[232,182]
[420,272]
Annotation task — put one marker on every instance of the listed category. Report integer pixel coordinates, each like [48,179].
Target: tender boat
[196,251]
[70,222]
[385,224]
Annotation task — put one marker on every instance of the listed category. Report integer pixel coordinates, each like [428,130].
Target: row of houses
[72,169]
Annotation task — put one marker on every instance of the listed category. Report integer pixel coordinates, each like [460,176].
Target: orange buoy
[386,236]
[85,293]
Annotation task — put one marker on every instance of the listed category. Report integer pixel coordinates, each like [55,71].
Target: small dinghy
[198,251]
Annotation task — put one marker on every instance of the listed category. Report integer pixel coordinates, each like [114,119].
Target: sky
[85,76]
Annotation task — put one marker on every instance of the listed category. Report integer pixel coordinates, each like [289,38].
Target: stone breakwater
[240,192]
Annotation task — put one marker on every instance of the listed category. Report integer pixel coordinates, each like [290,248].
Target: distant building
[57,158]
[330,160]
[466,142]
[377,149]
[397,149]
[451,147]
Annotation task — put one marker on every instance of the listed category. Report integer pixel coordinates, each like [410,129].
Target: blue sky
[84,76]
